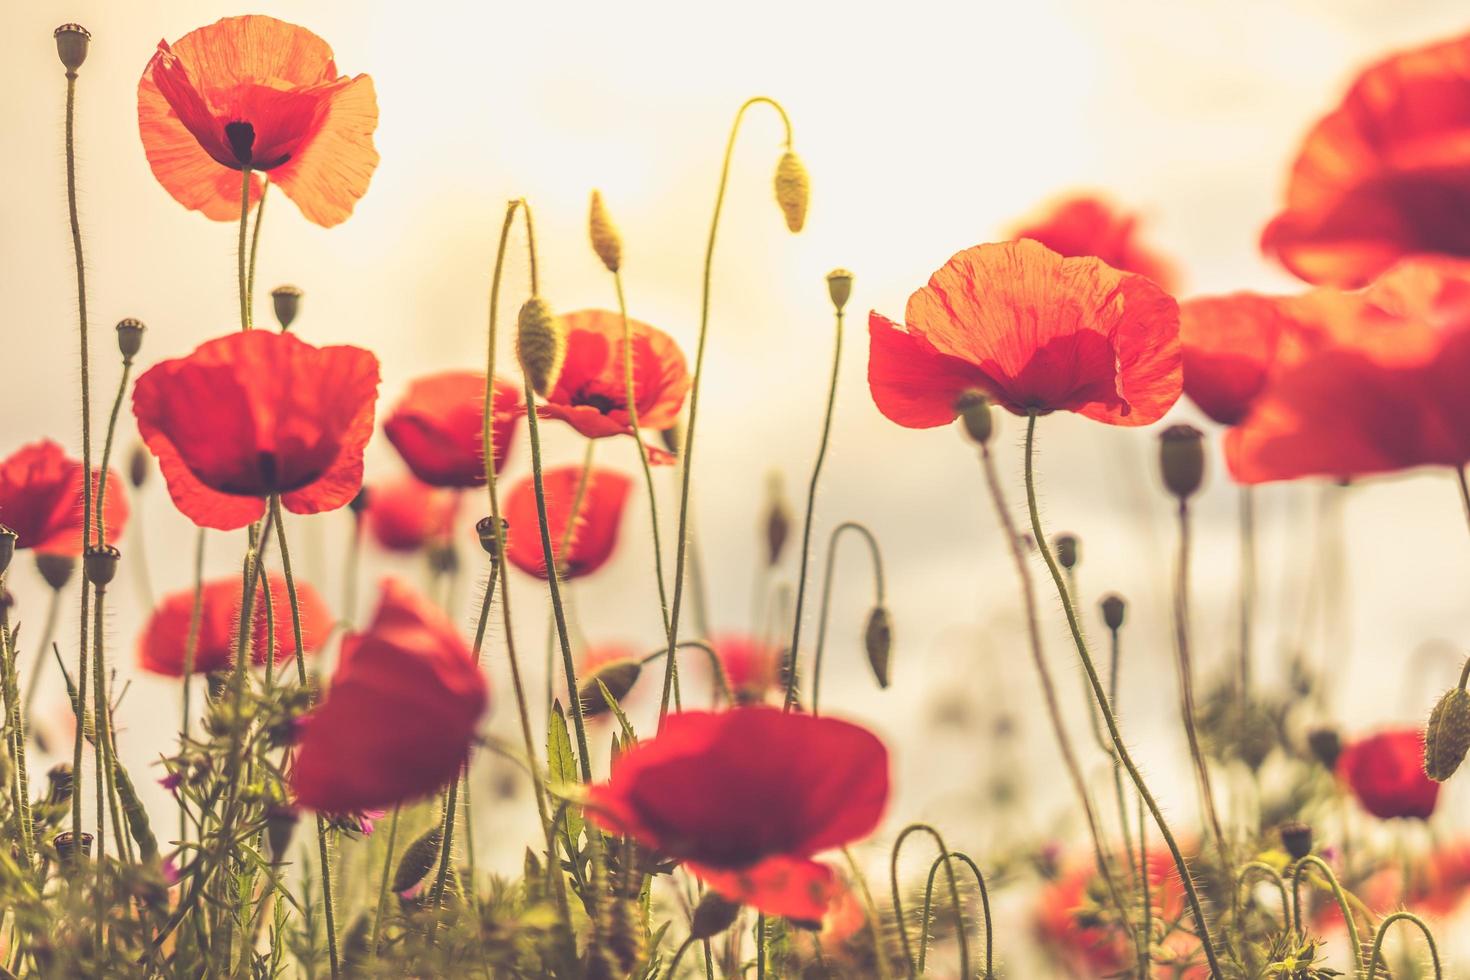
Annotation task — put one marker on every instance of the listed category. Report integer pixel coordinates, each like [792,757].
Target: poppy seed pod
[59,783]
[839,287]
[1448,736]
[138,466]
[65,844]
[421,855]
[100,564]
[1113,608]
[1182,460]
[1066,545]
[7,547]
[1326,745]
[129,337]
[712,916]
[974,410]
[618,676]
[778,521]
[541,345]
[672,438]
[485,528]
[280,826]
[56,569]
[606,241]
[71,45]
[1296,837]
[286,301]
[878,642]
[793,189]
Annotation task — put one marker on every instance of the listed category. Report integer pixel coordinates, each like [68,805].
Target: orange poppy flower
[258,92]
[1384,175]
[598,521]
[1085,224]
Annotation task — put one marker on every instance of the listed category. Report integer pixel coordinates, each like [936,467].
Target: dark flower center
[241,137]
[604,403]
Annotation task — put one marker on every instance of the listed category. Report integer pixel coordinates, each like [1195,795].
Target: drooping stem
[265,187]
[1247,585]
[878,596]
[687,449]
[240,251]
[965,859]
[383,886]
[1423,927]
[954,893]
[717,670]
[1337,894]
[1186,879]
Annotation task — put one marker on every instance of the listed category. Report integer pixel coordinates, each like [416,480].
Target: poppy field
[1081,610]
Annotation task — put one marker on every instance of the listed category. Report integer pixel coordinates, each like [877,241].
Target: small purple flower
[171,782]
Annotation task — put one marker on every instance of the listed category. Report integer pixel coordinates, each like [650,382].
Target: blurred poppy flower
[1441,883]
[591,393]
[438,427]
[1036,332]
[1385,175]
[1085,224]
[405,514]
[399,718]
[1230,347]
[1386,773]
[599,519]
[753,668]
[745,798]
[41,499]
[257,413]
[260,93]
[163,646]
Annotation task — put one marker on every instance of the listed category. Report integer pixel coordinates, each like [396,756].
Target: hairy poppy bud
[1448,736]
[878,641]
[839,287]
[712,916]
[100,564]
[129,337]
[7,547]
[485,528]
[1182,459]
[56,569]
[1066,545]
[618,676]
[606,241]
[138,466]
[65,844]
[421,855]
[59,783]
[280,825]
[71,45]
[286,301]
[541,345]
[1113,608]
[1326,745]
[974,409]
[1296,837]
[672,438]
[793,189]
[778,520]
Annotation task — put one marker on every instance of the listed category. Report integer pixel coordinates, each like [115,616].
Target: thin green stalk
[1464,490]
[687,449]
[822,616]
[240,250]
[1337,894]
[1247,585]
[1146,937]
[578,495]
[53,613]
[1114,661]
[875,923]
[984,905]
[760,946]
[81,715]
[265,187]
[19,795]
[954,894]
[383,886]
[122,389]
[1186,879]
[102,760]
[191,648]
[1410,917]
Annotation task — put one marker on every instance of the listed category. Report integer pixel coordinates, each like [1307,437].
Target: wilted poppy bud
[59,783]
[280,825]
[421,855]
[71,45]
[606,241]
[485,528]
[712,916]
[1113,608]
[65,844]
[793,189]
[839,287]
[56,569]
[129,337]
[1296,837]
[878,641]
[541,345]
[974,409]
[1182,459]
[138,466]
[1326,745]
[286,300]
[100,564]
[778,520]
[1448,736]
[7,547]
[1067,550]
[618,676]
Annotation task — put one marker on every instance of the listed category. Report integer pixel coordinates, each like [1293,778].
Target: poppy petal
[332,170]
[799,889]
[913,384]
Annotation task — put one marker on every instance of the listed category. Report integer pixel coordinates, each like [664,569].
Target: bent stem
[984,904]
[1260,868]
[717,670]
[945,855]
[1186,879]
[878,596]
[1423,927]
[1337,893]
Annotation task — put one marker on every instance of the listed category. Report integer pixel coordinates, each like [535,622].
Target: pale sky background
[927,127]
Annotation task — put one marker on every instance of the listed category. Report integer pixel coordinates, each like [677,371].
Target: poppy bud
[672,438]
[1066,545]
[100,564]
[138,466]
[1113,608]
[1296,837]
[421,856]
[485,528]
[606,241]
[712,916]
[878,641]
[65,844]
[7,547]
[71,45]
[1326,745]
[541,345]
[778,521]
[839,287]
[129,337]
[1448,736]
[974,410]
[286,300]
[59,784]
[792,189]
[56,569]
[280,825]
[618,676]
[1182,459]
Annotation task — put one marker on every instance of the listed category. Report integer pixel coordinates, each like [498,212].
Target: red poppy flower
[1386,773]
[400,715]
[438,427]
[257,413]
[258,92]
[599,519]
[745,798]
[1231,345]
[1384,175]
[1441,883]
[164,644]
[1033,330]
[1085,224]
[405,514]
[591,393]
[41,499]
[752,667]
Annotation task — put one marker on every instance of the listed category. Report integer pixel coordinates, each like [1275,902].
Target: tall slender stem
[240,251]
[53,613]
[15,739]
[254,247]
[826,605]
[687,449]
[383,885]
[1247,585]
[1115,650]
[1464,490]
[191,649]
[1185,877]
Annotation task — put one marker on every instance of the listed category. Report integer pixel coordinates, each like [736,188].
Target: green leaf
[629,737]
[562,768]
